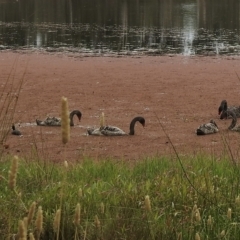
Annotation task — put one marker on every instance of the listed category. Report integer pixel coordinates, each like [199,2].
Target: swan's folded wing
[207,128]
[112,131]
[236,110]
[94,131]
[53,121]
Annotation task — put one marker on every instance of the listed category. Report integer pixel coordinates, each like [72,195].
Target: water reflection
[189,27]
[122,27]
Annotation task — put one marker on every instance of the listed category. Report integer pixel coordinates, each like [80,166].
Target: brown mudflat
[174,94]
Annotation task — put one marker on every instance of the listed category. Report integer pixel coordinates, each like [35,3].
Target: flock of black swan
[224,111]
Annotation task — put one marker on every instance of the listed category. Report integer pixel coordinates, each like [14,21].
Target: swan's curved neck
[132,125]
[223,107]
[75,112]
[234,119]
[71,118]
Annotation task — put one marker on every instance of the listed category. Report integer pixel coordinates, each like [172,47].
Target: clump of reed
[8,102]
[110,200]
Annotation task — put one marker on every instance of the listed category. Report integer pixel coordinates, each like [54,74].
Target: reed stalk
[8,101]
[65,125]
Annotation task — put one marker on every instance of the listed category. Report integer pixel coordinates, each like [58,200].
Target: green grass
[115,192]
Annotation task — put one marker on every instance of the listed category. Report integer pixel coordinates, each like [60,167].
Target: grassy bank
[154,199]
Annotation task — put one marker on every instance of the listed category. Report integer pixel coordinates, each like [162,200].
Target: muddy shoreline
[175,94]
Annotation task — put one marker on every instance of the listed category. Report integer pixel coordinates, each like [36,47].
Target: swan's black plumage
[230,113]
[115,131]
[207,128]
[54,121]
[15,131]
[222,110]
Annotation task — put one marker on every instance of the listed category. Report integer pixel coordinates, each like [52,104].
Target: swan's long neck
[71,118]
[132,125]
[75,112]
[234,119]
[223,107]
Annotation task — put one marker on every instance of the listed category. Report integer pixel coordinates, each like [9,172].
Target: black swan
[115,131]
[207,128]
[15,131]
[224,107]
[230,113]
[54,121]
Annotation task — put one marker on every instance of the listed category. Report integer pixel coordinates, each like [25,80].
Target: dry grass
[8,102]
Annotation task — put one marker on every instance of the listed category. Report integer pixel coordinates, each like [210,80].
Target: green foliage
[111,195]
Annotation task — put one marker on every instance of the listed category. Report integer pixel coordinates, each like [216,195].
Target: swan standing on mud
[207,128]
[115,131]
[54,121]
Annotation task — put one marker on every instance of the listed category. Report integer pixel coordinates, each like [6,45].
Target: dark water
[150,27]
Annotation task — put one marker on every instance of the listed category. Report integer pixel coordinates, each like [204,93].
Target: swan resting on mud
[231,114]
[54,121]
[207,128]
[115,131]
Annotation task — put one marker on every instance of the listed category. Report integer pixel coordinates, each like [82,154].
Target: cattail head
[31,213]
[22,231]
[194,208]
[65,125]
[222,234]
[102,120]
[31,237]
[197,216]
[77,215]
[229,213]
[13,173]
[97,222]
[147,204]
[197,236]
[56,221]
[39,220]
[66,164]
[210,221]
[25,221]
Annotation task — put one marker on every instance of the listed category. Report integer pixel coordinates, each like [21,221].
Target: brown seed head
[77,215]
[22,232]
[147,203]
[39,220]
[31,212]
[65,125]
[13,173]
[97,222]
[56,222]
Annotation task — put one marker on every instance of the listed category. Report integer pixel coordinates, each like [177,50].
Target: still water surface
[122,27]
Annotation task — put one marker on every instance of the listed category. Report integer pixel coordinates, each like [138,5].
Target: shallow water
[117,27]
